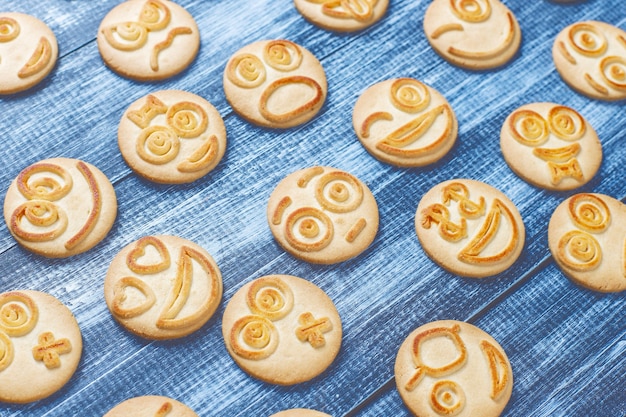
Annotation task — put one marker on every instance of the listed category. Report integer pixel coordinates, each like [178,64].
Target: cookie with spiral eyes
[28,51]
[275,83]
[453,368]
[148,40]
[151,406]
[322,215]
[163,287]
[469,228]
[472,34]
[282,329]
[590,57]
[342,16]
[550,146]
[404,122]
[172,137]
[41,346]
[300,412]
[60,207]
[587,238]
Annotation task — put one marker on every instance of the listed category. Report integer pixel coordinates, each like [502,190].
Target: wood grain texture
[566,344]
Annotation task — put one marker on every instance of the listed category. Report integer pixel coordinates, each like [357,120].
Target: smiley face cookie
[452,368]
[587,237]
[473,34]
[342,16]
[551,146]
[404,122]
[322,215]
[300,412]
[60,207]
[172,137]
[282,329]
[275,84]
[41,346]
[469,228]
[163,287]
[28,51]
[148,40]
[151,406]
[591,58]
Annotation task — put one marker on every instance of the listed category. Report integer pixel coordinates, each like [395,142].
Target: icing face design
[19,315]
[359,10]
[600,52]
[447,397]
[42,218]
[270,299]
[151,259]
[133,35]
[283,98]
[41,56]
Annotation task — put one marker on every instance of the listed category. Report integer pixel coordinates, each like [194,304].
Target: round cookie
[148,40]
[162,287]
[300,412]
[41,346]
[275,84]
[453,368]
[322,215]
[472,34]
[590,56]
[469,228]
[344,16]
[587,237]
[404,122]
[151,406]
[28,51]
[172,137]
[550,146]
[60,207]
[282,329]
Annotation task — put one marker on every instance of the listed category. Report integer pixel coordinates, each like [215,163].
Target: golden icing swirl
[188,119]
[6,351]
[613,70]
[18,313]
[528,128]
[471,10]
[246,71]
[9,29]
[33,186]
[589,212]
[158,145]
[253,337]
[308,229]
[566,123]
[339,192]
[154,15]
[447,398]
[270,297]
[587,39]
[409,95]
[40,214]
[126,36]
[282,55]
[579,251]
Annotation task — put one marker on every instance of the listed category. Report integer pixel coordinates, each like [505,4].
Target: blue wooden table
[566,344]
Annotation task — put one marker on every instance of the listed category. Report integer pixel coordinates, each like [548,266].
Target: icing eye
[154,15]
[246,71]
[34,184]
[282,55]
[339,192]
[613,70]
[447,398]
[9,29]
[529,128]
[187,119]
[158,145]
[18,314]
[309,229]
[566,123]
[270,298]
[254,337]
[587,40]
[409,95]
[127,36]
[589,212]
[471,10]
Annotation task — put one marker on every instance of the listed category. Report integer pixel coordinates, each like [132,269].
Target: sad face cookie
[550,146]
[60,207]
[591,58]
[172,136]
[452,368]
[342,15]
[469,228]
[473,34]
[322,215]
[282,329]
[404,122]
[276,84]
[587,237]
[28,52]
[148,39]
